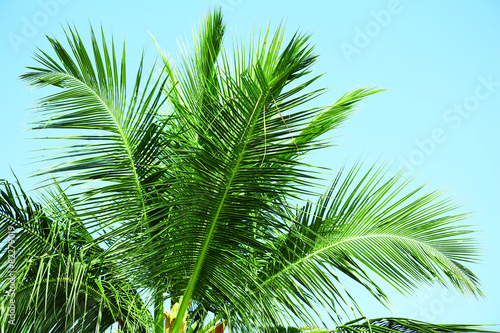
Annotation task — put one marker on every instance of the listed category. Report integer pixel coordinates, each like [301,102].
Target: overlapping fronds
[192,202]
[52,275]
[245,126]
[408,238]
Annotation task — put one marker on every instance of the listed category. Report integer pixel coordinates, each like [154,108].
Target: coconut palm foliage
[173,200]
[59,281]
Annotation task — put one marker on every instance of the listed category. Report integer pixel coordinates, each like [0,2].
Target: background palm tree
[188,188]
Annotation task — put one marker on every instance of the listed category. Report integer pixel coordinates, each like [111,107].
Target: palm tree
[185,188]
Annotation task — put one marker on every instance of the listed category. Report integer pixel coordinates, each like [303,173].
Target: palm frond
[119,137]
[408,239]
[240,128]
[55,280]
[404,325]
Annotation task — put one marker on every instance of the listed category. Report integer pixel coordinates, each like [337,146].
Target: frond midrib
[32,232]
[121,134]
[363,237]
[201,257]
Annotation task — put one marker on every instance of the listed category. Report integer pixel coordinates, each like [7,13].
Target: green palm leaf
[407,239]
[56,280]
[119,136]
[403,325]
[242,130]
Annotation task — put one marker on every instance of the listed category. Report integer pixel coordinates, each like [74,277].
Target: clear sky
[439,60]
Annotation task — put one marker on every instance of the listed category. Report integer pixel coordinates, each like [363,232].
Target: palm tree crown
[183,186]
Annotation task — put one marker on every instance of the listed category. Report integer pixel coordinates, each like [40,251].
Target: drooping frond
[403,325]
[408,238]
[53,279]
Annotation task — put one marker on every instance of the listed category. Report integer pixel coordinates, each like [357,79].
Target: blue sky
[439,118]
